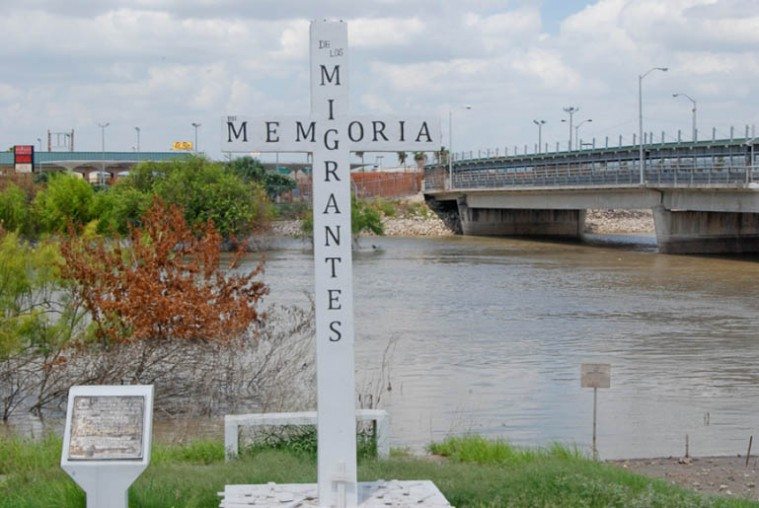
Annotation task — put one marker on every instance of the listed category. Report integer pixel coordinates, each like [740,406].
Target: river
[489,335]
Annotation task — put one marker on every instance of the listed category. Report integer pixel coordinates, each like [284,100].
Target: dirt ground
[726,476]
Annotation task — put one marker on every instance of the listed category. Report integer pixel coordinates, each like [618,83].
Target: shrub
[205,191]
[14,210]
[251,170]
[165,283]
[66,198]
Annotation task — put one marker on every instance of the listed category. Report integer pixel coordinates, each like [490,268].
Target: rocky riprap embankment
[596,222]
[619,221]
[394,226]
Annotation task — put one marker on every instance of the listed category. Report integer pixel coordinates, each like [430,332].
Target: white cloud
[162,64]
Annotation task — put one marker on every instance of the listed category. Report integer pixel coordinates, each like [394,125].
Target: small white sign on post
[595,375]
[106,442]
[330,134]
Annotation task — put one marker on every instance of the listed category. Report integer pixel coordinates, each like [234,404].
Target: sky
[161,65]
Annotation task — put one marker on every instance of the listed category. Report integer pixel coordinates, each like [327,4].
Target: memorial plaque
[107,427]
[595,375]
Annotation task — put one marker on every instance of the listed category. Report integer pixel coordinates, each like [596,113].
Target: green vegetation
[14,209]
[236,197]
[203,189]
[66,198]
[251,170]
[477,473]
[364,218]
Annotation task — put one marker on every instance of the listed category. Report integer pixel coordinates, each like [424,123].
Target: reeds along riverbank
[469,471]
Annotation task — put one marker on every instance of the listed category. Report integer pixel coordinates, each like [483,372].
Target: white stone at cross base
[330,135]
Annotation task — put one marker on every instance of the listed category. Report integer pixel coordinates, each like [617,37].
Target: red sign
[23,154]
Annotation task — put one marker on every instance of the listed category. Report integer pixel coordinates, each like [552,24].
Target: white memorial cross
[330,135]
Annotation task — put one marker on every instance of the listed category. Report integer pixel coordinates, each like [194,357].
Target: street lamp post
[450,145]
[750,170]
[539,123]
[641,154]
[196,125]
[693,101]
[101,178]
[571,110]
[577,131]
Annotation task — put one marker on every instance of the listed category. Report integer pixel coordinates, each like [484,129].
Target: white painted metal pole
[641,162]
[195,146]
[450,148]
[101,177]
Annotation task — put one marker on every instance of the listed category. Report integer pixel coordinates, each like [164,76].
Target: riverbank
[726,476]
[596,222]
[468,471]
[410,217]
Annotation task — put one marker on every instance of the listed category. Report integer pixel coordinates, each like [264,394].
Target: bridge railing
[664,173]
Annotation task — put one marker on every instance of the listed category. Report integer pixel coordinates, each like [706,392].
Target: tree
[420,158]
[120,208]
[441,156]
[251,170]
[205,191]
[402,156]
[14,210]
[66,199]
[38,319]
[164,284]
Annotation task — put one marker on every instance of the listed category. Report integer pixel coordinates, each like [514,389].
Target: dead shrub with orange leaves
[164,283]
[159,308]
[165,312]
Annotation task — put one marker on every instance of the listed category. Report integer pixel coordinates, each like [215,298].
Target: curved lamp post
[577,129]
[693,101]
[642,160]
[450,145]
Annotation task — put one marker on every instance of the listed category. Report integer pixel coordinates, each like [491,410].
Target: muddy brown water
[489,335]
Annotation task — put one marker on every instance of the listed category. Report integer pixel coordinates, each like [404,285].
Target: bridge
[704,195]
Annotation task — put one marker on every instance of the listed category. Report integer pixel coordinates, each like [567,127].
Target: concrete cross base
[370,495]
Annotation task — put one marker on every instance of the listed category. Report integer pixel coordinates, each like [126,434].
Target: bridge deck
[701,164]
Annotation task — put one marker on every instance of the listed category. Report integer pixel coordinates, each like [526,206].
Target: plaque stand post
[106,443]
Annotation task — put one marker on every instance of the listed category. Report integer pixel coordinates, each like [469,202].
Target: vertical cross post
[333,266]
[329,134]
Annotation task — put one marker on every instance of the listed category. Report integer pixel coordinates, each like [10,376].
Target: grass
[475,473]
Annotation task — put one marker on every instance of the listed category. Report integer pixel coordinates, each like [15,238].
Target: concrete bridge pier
[706,232]
[520,222]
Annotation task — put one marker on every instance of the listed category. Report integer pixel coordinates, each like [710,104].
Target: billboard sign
[182,146]
[23,158]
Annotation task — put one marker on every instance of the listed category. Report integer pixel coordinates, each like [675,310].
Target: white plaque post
[330,135]
[106,443]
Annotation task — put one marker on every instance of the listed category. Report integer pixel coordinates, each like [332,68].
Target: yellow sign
[184,146]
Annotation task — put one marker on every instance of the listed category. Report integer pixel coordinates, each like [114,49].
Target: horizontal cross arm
[306,134]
